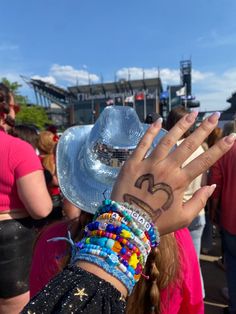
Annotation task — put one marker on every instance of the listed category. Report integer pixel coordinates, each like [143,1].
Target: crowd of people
[109,218]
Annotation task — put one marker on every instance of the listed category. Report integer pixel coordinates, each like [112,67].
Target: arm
[34,195]
[155,185]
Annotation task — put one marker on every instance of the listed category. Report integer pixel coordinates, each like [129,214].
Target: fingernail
[214,117]
[158,122]
[230,138]
[211,189]
[191,116]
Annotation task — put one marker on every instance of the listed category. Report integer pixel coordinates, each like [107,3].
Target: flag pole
[185,94]
[169,99]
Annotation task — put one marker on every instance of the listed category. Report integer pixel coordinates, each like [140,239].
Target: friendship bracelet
[119,239]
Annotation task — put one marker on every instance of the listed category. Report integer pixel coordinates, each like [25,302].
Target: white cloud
[46,79]
[168,76]
[69,74]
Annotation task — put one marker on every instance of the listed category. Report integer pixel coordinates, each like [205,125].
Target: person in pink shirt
[22,189]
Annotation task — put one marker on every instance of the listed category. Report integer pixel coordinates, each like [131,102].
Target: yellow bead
[133,261]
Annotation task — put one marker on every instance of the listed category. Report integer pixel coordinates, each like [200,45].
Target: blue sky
[67,41]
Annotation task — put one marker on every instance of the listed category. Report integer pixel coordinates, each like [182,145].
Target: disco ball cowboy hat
[89,157]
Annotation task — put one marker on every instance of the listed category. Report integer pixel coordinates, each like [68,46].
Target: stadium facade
[82,104]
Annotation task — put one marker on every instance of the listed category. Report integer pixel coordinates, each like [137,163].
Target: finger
[198,201]
[193,141]
[170,139]
[207,159]
[146,141]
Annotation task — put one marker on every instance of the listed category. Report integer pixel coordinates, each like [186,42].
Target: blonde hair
[46,146]
[162,268]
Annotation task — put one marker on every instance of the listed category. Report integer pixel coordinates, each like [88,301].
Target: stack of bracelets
[118,240]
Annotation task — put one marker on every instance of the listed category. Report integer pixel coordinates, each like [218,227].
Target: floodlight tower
[186,75]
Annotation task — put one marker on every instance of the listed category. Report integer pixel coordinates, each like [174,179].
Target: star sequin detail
[81,293]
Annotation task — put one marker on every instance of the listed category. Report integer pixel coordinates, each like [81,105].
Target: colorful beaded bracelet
[119,240]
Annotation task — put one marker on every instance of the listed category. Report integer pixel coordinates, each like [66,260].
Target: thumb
[198,201]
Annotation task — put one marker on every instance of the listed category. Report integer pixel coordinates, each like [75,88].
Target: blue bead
[123,251]
[110,228]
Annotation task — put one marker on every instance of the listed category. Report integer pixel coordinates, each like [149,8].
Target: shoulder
[23,146]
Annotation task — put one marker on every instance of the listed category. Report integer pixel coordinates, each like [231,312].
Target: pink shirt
[17,159]
[45,266]
[185,296]
[223,174]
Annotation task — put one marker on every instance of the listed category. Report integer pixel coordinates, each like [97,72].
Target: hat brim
[84,189]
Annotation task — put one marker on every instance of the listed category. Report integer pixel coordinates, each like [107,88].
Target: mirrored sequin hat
[89,157]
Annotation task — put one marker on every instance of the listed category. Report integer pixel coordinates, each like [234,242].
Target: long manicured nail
[191,116]
[214,117]
[211,189]
[158,122]
[230,138]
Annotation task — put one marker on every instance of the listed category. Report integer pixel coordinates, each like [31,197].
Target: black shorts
[17,238]
[75,290]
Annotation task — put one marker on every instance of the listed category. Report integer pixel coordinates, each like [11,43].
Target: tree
[28,114]
[33,115]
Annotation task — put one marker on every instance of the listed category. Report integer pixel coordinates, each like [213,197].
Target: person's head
[229,127]
[174,116]
[215,135]
[46,142]
[152,117]
[52,128]
[8,108]
[26,133]
[89,159]
[46,145]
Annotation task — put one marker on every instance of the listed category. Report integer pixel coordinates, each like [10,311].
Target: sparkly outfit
[118,240]
[77,291]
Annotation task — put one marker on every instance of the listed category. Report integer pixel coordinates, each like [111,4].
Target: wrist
[118,240]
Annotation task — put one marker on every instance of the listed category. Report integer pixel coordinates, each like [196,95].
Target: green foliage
[33,115]
[28,114]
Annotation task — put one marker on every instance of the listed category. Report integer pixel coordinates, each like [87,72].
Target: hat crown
[117,127]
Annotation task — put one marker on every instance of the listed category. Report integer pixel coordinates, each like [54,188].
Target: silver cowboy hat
[89,157]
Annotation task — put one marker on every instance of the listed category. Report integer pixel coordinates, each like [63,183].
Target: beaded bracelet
[119,240]
[145,226]
[122,230]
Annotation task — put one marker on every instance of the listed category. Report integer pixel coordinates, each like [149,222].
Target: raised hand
[157,183]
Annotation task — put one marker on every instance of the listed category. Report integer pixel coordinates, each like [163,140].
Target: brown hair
[162,268]
[4,99]
[214,136]
[26,133]
[174,116]
[229,127]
